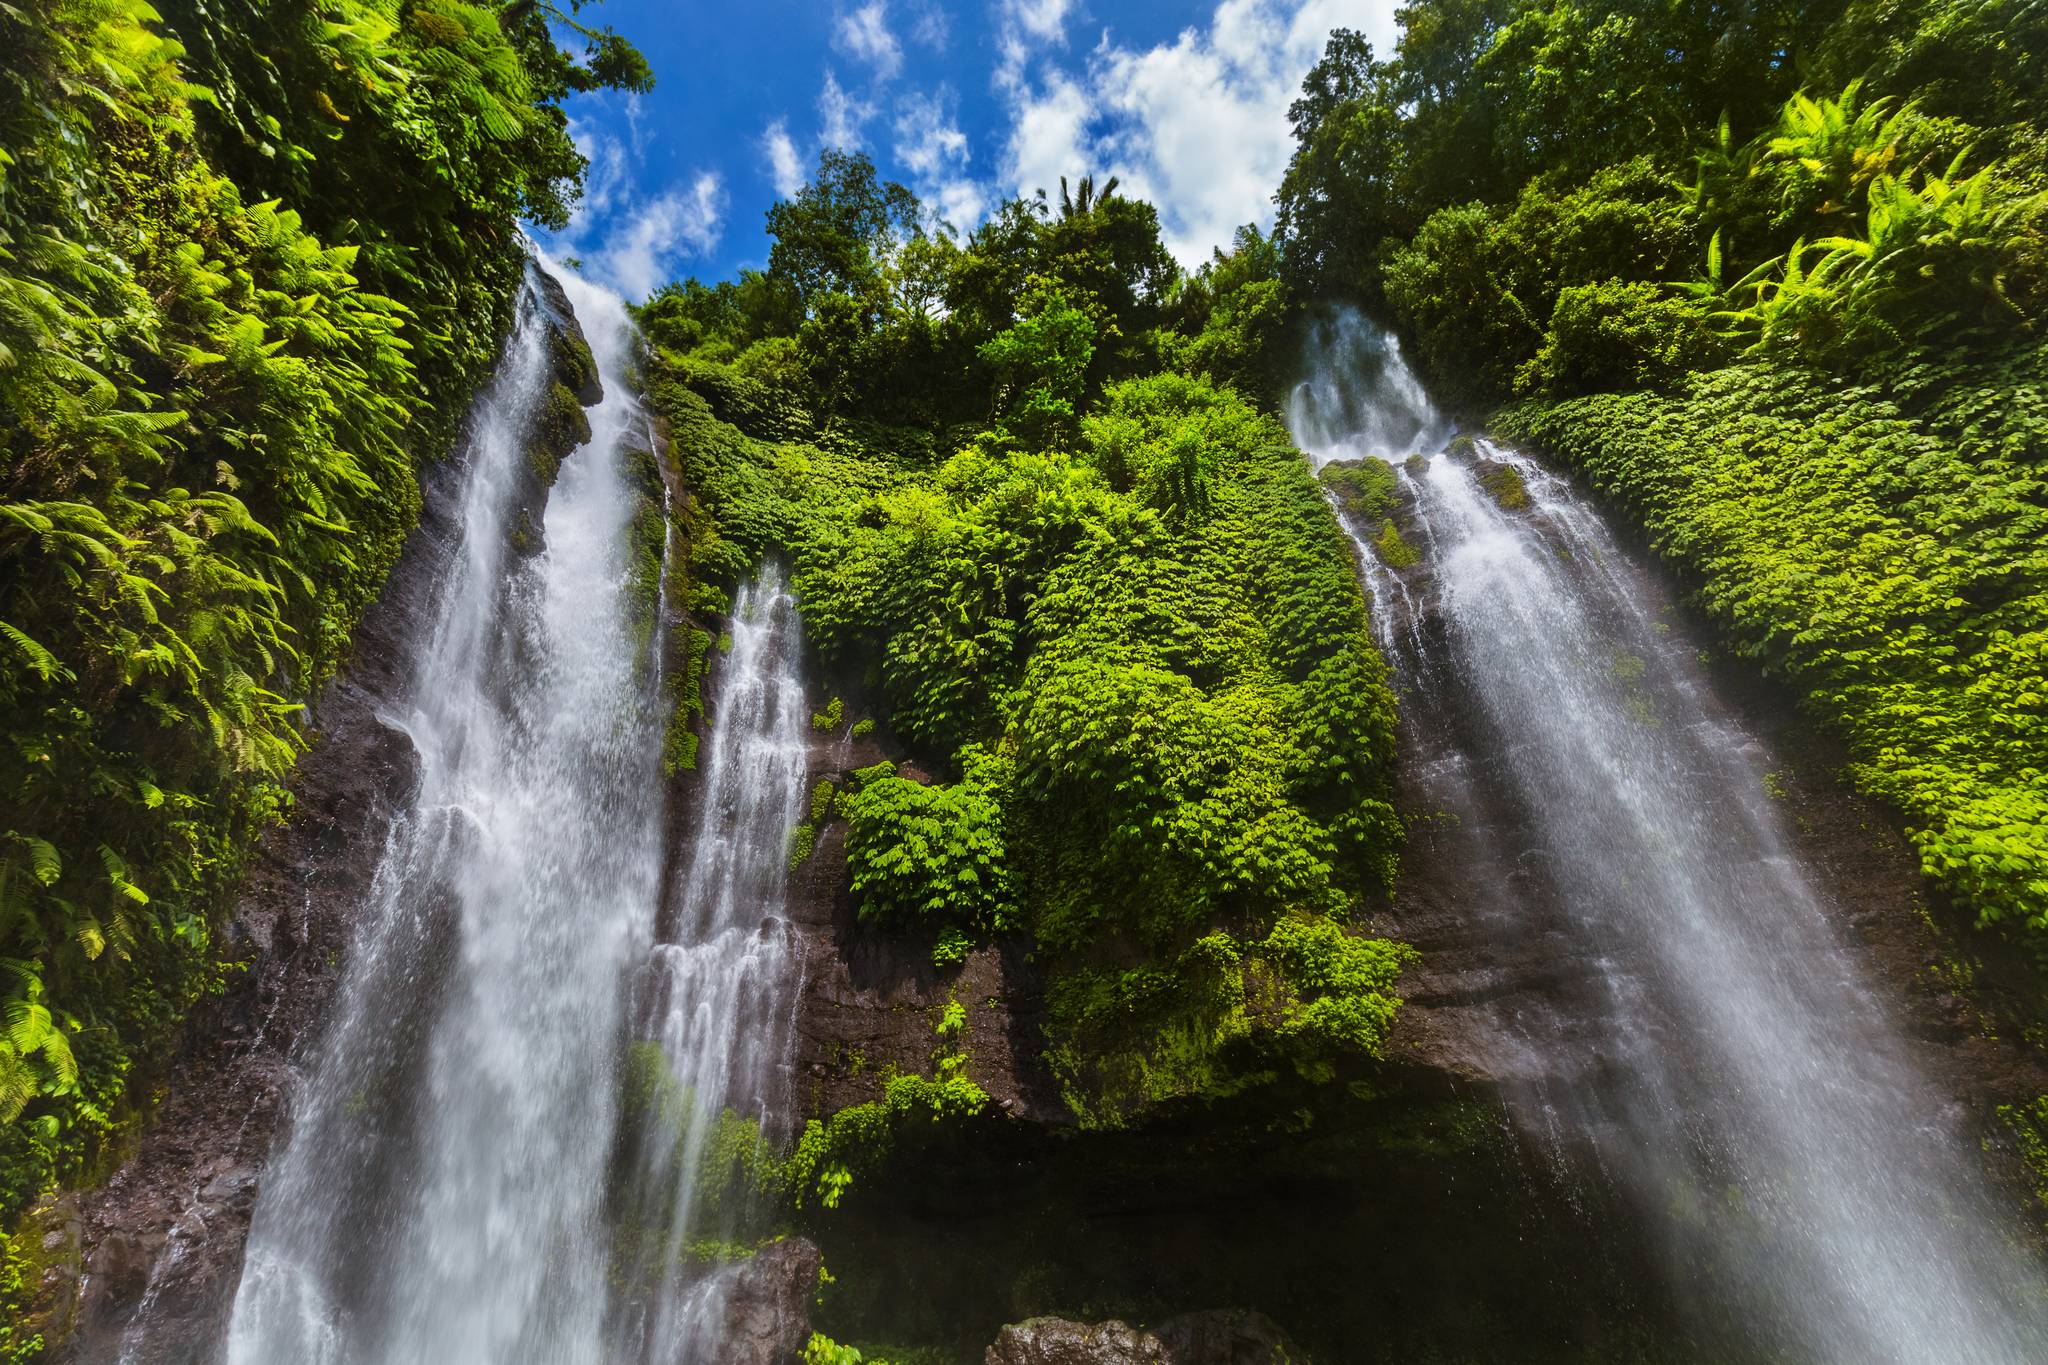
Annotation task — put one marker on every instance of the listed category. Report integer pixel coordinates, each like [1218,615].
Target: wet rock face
[163,1239]
[869,1000]
[1055,1341]
[574,365]
[561,425]
[1213,1338]
[768,1305]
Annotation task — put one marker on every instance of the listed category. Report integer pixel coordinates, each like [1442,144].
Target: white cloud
[1198,125]
[1045,20]
[641,254]
[929,25]
[931,147]
[841,115]
[1025,26]
[864,34]
[928,141]
[1049,135]
[785,163]
[961,203]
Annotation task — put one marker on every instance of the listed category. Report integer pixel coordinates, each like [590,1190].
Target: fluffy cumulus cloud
[841,115]
[785,163]
[1024,26]
[1198,125]
[1049,135]
[1045,20]
[641,253]
[934,153]
[864,35]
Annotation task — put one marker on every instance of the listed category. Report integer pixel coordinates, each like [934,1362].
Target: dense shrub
[1617,335]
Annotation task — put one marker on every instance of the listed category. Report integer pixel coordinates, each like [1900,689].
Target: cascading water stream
[1745,1086]
[439,1196]
[719,986]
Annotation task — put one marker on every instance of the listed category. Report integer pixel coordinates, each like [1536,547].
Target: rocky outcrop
[1056,1341]
[1210,1338]
[869,1000]
[574,366]
[768,1304]
[560,426]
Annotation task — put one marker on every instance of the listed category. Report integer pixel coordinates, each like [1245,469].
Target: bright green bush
[1616,335]
[1477,287]
[932,856]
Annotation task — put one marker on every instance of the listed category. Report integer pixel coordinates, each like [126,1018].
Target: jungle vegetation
[254,258]
[1041,533]
[1773,277]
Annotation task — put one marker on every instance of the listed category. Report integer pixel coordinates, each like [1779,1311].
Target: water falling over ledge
[1724,1062]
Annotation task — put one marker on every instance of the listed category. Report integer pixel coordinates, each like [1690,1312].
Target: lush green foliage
[232,319]
[1553,199]
[1557,198]
[1114,615]
[932,854]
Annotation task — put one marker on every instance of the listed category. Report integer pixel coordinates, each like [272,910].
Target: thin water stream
[1733,1071]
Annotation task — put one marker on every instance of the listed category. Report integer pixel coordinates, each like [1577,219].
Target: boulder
[768,1304]
[1209,1338]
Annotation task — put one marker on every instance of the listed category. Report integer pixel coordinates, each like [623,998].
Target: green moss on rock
[1363,488]
[1503,483]
[1393,549]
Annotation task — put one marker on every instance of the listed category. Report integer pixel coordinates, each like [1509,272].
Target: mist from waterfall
[1743,1084]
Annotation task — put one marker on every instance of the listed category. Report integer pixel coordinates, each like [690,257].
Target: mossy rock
[1393,548]
[41,1265]
[546,464]
[643,472]
[574,366]
[1417,465]
[562,427]
[1365,489]
[525,535]
[1462,447]
[1503,483]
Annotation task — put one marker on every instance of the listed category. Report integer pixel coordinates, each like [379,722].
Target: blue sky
[967,103]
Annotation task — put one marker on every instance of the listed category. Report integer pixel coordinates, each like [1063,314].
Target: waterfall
[718,988]
[1358,396]
[1727,1065]
[448,1189]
